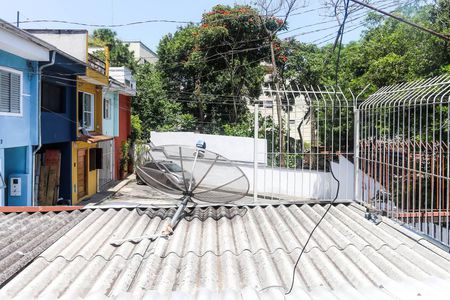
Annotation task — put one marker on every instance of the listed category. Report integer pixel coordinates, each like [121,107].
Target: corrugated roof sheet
[236,252]
[23,236]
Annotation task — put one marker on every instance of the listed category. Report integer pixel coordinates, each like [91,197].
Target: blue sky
[125,11]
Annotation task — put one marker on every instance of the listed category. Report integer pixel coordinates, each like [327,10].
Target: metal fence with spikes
[304,128]
[403,137]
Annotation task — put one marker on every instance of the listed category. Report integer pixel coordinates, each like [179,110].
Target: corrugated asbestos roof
[234,253]
[23,236]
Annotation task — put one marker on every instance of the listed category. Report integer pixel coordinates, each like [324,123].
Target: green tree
[212,66]
[154,107]
[119,53]
[391,52]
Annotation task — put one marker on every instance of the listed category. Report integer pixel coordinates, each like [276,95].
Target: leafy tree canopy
[211,66]
[119,53]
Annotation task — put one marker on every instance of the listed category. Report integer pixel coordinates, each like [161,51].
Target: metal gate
[307,133]
[105,174]
[403,154]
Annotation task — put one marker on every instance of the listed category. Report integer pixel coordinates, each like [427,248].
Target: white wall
[304,184]
[74,44]
[235,148]
[294,183]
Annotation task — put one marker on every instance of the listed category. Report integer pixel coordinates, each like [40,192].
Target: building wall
[60,127]
[19,133]
[2,178]
[74,44]
[124,129]
[116,109]
[83,86]
[141,53]
[235,148]
[21,130]
[109,125]
[18,160]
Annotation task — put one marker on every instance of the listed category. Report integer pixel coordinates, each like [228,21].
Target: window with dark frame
[86,110]
[53,98]
[95,159]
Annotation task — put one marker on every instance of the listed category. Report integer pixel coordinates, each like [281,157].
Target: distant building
[118,121]
[142,53]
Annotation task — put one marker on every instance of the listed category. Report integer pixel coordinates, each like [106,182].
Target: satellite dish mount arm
[177,215]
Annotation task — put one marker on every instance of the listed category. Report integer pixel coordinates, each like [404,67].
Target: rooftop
[234,252]
[23,236]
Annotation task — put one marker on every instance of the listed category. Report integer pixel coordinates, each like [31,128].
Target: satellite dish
[191,174]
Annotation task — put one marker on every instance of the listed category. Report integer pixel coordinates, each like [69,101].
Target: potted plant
[125,158]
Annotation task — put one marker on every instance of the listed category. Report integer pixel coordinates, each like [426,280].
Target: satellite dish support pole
[180,209]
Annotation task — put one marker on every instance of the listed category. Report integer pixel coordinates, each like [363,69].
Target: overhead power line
[106,25]
[400,19]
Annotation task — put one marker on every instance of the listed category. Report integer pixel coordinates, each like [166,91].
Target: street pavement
[130,194]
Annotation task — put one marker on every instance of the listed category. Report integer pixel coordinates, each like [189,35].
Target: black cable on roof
[314,229]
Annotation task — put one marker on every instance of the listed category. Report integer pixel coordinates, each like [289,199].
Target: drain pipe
[33,179]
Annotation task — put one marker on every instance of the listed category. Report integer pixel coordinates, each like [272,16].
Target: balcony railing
[97,64]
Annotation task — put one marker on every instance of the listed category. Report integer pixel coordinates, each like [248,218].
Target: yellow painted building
[85,160]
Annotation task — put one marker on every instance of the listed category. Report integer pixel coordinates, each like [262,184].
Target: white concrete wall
[304,184]
[72,43]
[295,183]
[235,148]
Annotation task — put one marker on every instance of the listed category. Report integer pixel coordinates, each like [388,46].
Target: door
[106,172]
[81,173]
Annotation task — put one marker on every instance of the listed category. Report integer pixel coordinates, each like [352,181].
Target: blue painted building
[20,54]
[58,124]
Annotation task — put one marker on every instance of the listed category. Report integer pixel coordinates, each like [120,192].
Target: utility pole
[18,19]
[278,101]
[255,152]
[440,35]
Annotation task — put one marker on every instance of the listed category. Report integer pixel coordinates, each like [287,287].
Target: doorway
[82,173]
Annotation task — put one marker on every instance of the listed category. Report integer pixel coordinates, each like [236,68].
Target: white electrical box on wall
[15,186]
[18,194]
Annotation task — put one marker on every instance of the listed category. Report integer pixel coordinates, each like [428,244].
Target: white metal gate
[106,172]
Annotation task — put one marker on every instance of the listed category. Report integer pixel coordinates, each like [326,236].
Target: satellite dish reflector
[191,174]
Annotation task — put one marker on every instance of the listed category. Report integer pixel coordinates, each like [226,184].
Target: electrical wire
[341,33]
[146,21]
[358,25]
[314,229]
[338,38]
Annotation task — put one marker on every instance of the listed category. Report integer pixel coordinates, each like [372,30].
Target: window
[86,110]
[106,108]
[10,92]
[53,98]
[268,104]
[95,158]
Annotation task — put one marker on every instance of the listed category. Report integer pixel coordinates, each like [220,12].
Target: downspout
[33,179]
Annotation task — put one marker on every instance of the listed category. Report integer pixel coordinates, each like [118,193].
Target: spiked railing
[404,131]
